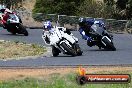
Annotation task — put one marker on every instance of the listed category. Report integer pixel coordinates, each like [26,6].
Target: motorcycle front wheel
[69,49]
[23,30]
[109,45]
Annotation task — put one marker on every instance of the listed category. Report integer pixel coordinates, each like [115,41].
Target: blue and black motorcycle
[101,38]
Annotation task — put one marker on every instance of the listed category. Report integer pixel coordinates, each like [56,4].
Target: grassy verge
[16,49]
[59,81]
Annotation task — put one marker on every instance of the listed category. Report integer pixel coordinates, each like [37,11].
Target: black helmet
[82,21]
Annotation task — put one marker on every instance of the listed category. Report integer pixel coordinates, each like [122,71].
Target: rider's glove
[89,39]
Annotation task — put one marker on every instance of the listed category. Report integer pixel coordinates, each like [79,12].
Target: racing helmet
[82,21]
[47,25]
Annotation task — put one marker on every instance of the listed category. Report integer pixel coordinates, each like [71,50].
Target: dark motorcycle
[101,38]
[14,25]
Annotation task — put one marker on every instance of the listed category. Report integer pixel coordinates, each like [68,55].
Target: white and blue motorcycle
[62,42]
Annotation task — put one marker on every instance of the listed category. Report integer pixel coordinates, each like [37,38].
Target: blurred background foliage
[12,3]
[117,9]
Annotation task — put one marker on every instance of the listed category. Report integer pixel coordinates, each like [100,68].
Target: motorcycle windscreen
[98,30]
[13,18]
[69,38]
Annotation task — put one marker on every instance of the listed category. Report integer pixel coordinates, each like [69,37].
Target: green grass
[16,49]
[58,81]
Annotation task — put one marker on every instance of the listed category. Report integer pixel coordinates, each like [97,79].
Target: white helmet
[47,25]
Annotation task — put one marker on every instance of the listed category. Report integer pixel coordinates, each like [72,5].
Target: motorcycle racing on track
[94,31]
[61,40]
[11,21]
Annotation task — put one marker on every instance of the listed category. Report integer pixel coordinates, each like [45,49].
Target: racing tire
[55,51]
[23,30]
[69,50]
[109,45]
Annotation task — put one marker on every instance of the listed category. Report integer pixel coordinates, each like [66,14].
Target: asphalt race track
[91,56]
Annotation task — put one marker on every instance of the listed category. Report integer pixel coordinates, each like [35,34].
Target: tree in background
[121,4]
[120,9]
[109,2]
[124,8]
[6,2]
[97,9]
[12,3]
[67,7]
[44,6]
[129,9]
[89,8]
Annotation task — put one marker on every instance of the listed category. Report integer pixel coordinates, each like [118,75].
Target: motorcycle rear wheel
[109,45]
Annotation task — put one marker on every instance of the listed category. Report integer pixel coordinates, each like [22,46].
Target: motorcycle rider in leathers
[84,29]
[48,29]
[4,15]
